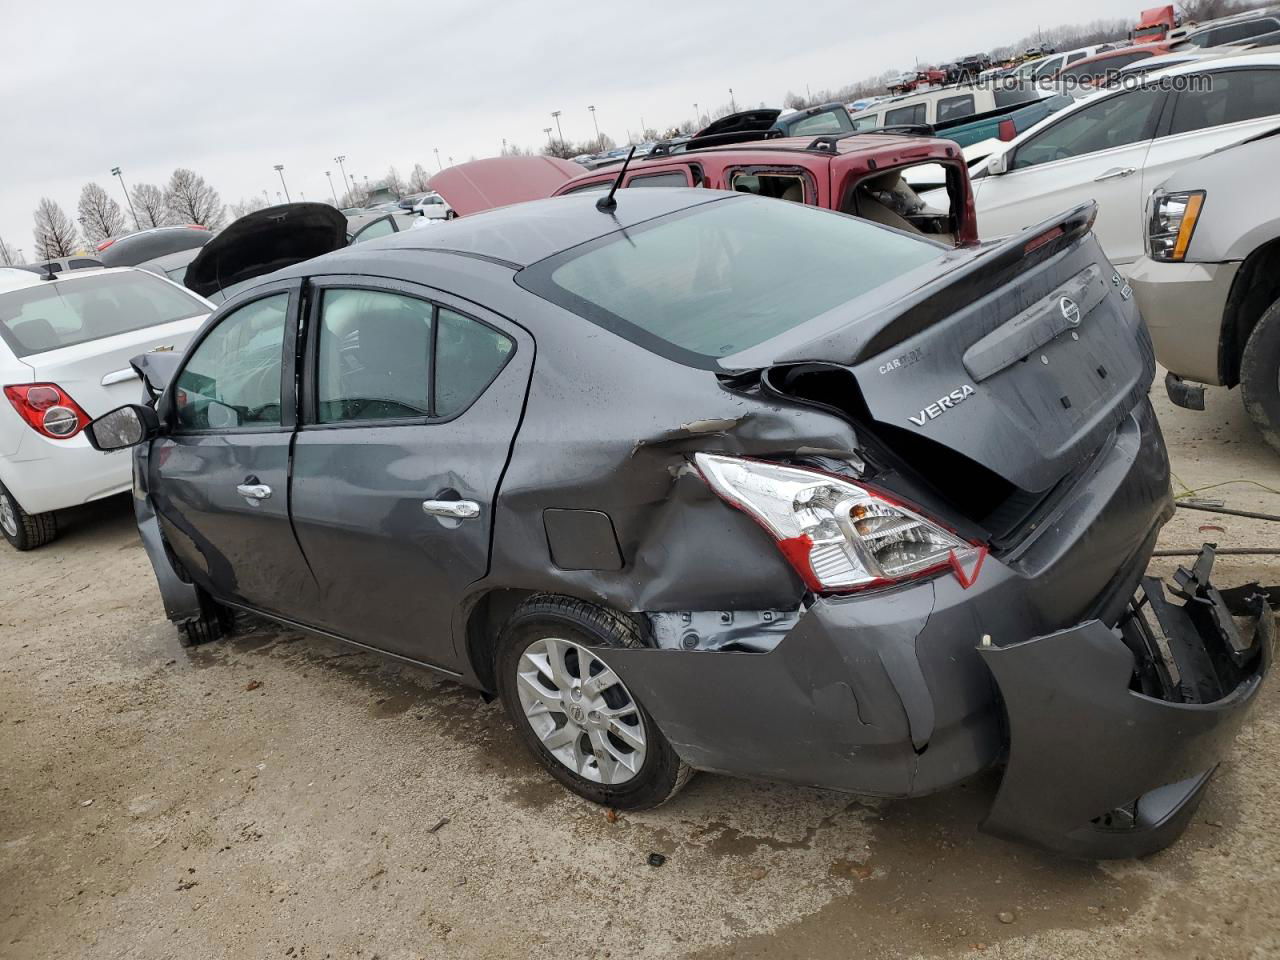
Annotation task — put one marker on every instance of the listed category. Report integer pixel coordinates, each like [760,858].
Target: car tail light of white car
[48,409]
[1172,222]
[840,536]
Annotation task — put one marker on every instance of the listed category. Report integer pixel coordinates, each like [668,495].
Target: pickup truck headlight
[1172,222]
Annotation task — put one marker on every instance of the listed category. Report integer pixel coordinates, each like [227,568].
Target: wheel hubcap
[8,516]
[581,711]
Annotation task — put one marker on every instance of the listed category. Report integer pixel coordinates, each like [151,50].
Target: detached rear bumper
[1115,733]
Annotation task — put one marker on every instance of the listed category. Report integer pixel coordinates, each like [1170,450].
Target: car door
[1095,152]
[382,227]
[411,402]
[220,472]
[1227,106]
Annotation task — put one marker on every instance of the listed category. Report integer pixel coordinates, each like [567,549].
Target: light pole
[267,197]
[547,131]
[280,170]
[437,153]
[697,116]
[595,125]
[115,172]
[338,160]
[329,176]
[733,104]
[556,115]
[451,161]
[504,146]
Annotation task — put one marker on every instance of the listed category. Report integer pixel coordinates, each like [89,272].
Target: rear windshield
[724,276]
[65,313]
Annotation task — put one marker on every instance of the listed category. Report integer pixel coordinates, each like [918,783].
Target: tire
[25,531]
[214,623]
[1260,375]
[543,626]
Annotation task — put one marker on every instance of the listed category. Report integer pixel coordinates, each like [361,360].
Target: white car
[65,347]
[1116,146]
[433,207]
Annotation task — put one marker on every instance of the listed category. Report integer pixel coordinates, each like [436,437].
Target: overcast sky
[232,88]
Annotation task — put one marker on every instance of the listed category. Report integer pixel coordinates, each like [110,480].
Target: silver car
[1209,285]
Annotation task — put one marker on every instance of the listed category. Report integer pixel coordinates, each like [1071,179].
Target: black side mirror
[123,427]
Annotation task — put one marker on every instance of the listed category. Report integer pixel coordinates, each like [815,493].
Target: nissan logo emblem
[1070,311]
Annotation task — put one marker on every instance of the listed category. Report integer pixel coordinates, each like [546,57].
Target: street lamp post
[280,170]
[266,196]
[115,172]
[733,104]
[547,131]
[338,160]
[697,116]
[437,153]
[595,125]
[329,177]
[559,133]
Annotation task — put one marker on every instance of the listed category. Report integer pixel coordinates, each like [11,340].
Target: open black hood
[264,241]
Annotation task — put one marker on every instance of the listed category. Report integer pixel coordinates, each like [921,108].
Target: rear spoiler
[971,281]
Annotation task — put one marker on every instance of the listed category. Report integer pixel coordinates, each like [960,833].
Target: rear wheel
[1260,375]
[25,531]
[574,713]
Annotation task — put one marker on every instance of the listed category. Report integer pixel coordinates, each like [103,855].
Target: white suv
[65,347]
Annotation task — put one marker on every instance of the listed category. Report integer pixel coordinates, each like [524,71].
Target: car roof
[12,278]
[522,233]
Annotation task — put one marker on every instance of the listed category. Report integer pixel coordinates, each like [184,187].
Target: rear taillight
[839,536]
[48,409]
[106,243]
[1007,129]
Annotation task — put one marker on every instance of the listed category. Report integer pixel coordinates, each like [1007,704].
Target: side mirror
[998,163]
[123,427]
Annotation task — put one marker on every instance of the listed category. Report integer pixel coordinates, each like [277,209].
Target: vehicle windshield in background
[725,276]
[66,313]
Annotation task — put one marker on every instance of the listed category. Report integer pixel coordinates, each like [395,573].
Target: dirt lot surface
[281,796]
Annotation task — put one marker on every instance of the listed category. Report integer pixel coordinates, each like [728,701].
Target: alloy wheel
[8,515]
[581,711]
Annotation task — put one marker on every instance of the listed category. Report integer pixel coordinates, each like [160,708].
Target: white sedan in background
[433,207]
[1118,145]
[65,347]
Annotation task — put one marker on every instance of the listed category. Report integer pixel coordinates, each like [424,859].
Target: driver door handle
[254,491]
[1115,173]
[454,509]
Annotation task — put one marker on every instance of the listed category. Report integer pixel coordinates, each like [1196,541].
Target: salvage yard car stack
[777,477]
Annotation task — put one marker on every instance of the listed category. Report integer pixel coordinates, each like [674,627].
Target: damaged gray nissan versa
[706,481]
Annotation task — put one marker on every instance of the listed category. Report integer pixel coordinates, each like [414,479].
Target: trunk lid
[1024,358]
[98,375]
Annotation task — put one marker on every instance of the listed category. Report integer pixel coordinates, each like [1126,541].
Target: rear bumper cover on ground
[1098,769]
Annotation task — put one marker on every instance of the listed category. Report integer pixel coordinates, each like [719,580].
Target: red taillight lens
[1007,129]
[48,409]
[839,535]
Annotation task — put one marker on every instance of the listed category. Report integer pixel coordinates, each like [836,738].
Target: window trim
[308,408]
[166,408]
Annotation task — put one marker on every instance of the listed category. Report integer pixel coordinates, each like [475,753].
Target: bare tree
[246,206]
[55,234]
[148,201]
[100,216]
[191,200]
[419,179]
[394,181]
[8,255]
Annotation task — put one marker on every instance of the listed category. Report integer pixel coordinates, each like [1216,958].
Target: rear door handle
[1115,173]
[454,509]
[254,492]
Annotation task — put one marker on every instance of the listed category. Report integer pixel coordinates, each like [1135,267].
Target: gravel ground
[276,795]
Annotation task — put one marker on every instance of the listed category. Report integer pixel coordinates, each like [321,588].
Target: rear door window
[1243,31]
[869,122]
[469,355]
[781,184]
[905,115]
[1233,96]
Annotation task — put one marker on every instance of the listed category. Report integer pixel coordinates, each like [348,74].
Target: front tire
[25,531]
[1260,375]
[574,713]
